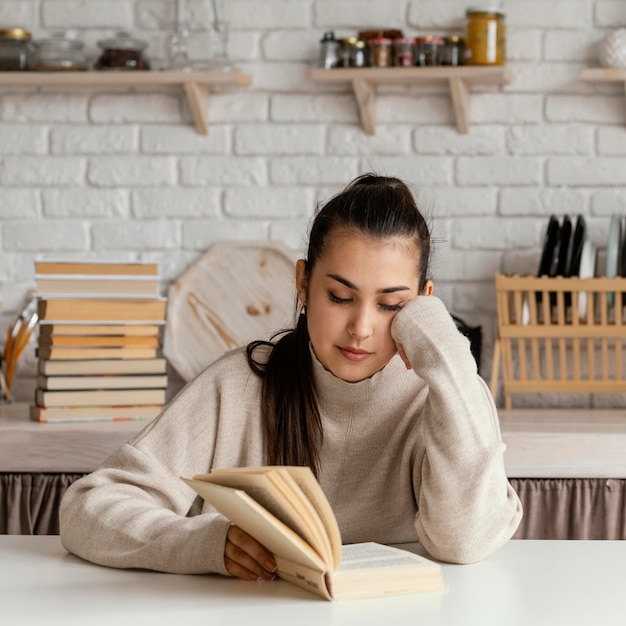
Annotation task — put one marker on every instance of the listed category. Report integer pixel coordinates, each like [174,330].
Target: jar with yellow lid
[485,39]
[15,47]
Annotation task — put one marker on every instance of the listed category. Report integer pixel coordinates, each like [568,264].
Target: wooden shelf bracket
[458,79]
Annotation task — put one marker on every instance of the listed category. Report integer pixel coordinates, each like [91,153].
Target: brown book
[134,381]
[93,367]
[100,341]
[94,413]
[87,328]
[63,352]
[137,268]
[99,397]
[101,309]
[98,285]
[285,509]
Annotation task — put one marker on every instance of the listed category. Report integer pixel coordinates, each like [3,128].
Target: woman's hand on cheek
[246,558]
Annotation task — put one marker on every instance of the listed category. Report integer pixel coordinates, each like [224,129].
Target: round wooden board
[236,292]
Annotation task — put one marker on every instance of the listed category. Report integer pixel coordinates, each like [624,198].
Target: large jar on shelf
[485,38]
[15,47]
[122,52]
[57,53]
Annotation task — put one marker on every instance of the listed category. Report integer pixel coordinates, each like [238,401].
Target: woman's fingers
[246,558]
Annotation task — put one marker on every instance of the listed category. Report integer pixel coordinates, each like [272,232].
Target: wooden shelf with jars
[196,84]
[459,79]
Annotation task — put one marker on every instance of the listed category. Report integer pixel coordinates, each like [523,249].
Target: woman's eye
[390,307]
[337,299]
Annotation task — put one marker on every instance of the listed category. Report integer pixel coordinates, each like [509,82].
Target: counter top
[538,583]
[541,443]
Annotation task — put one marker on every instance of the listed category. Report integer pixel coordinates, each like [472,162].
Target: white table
[525,583]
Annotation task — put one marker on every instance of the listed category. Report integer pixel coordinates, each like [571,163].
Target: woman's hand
[246,558]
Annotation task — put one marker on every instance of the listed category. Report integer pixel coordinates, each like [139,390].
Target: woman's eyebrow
[347,283]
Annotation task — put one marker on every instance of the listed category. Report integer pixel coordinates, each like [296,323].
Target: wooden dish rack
[559,335]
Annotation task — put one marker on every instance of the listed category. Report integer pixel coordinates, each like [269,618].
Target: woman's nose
[361,324]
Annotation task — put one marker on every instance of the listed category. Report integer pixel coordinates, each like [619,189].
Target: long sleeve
[466,506]
[132,512]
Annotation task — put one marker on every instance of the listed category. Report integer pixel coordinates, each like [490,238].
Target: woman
[374,389]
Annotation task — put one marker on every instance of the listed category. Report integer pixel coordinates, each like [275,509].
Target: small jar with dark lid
[57,53]
[122,52]
[15,48]
[453,51]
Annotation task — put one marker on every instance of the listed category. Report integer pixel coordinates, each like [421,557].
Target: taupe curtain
[29,503]
[572,508]
[576,508]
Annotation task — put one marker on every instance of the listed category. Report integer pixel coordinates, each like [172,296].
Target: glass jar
[381,52]
[404,52]
[122,52]
[453,51]
[15,48]
[58,53]
[428,50]
[485,37]
[352,52]
[329,51]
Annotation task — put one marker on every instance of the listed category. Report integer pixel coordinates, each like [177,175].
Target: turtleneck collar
[335,394]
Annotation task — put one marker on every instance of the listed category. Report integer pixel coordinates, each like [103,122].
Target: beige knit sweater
[407,455]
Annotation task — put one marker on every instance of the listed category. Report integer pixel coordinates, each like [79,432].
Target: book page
[271,487]
[249,515]
[311,488]
[371,569]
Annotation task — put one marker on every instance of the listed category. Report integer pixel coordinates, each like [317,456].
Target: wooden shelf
[603,75]
[196,84]
[459,79]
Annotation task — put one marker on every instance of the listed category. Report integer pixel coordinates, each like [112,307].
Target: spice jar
[15,47]
[329,51]
[428,50]
[122,52]
[352,52]
[453,51]
[485,38]
[404,52]
[381,52]
[58,53]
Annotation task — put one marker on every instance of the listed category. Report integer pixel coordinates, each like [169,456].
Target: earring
[303,310]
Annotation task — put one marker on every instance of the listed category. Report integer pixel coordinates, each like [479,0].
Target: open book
[285,509]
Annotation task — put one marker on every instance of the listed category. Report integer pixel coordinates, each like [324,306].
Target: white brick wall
[116,172]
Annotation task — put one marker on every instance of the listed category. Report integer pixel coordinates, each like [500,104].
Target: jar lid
[349,40]
[123,41]
[485,9]
[454,39]
[407,40]
[15,33]
[380,41]
[429,39]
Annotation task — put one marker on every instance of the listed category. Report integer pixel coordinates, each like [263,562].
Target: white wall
[122,173]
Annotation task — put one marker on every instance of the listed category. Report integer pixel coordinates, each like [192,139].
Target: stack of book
[99,342]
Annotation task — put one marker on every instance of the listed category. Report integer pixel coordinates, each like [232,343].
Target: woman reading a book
[374,389]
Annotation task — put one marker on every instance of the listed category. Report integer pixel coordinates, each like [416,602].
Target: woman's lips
[354,354]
